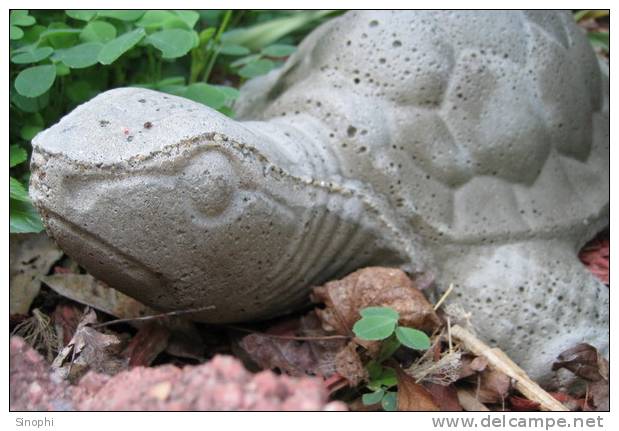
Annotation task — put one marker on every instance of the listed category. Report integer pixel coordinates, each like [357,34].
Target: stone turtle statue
[472,146]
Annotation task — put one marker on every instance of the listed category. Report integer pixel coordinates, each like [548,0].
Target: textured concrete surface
[472,145]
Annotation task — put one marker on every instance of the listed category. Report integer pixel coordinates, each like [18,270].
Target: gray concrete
[471,145]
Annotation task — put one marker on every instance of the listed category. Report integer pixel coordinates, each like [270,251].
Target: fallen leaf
[469,402]
[185,340]
[569,401]
[596,257]
[150,340]
[520,404]
[479,363]
[493,386]
[87,290]
[66,319]
[89,350]
[599,394]
[583,360]
[30,257]
[348,364]
[412,397]
[291,356]
[374,286]
[471,365]
[445,397]
[603,367]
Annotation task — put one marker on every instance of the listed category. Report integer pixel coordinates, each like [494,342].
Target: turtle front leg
[533,299]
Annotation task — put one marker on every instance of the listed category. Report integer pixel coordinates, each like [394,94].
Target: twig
[499,360]
[154,316]
[451,346]
[469,402]
[444,296]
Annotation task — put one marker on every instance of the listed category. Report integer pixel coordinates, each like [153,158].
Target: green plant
[600,39]
[59,59]
[381,324]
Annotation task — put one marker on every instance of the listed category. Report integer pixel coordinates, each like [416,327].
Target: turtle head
[164,199]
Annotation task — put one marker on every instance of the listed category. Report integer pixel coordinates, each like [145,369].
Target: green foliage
[256,68]
[373,397]
[381,323]
[591,14]
[266,33]
[381,377]
[412,338]
[17,191]
[278,50]
[35,80]
[98,31]
[23,217]
[17,155]
[59,59]
[598,38]
[17,20]
[172,43]
[112,50]
[390,402]
[377,323]
[206,94]
[82,55]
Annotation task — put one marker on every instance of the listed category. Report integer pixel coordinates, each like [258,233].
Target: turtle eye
[211,182]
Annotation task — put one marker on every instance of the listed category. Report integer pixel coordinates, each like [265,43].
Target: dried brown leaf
[479,363]
[445,397]
[520,404]
[66,319]
[494,386]
[471,365]
[87,290]
[90,350]
[582,360]
[374,286]
[585,361]
[599,394]
[185,340]
[603,367]
[412,397]
[348,364]
[572,403]
[469,401]
[150,340]
[294,357]
[30,257]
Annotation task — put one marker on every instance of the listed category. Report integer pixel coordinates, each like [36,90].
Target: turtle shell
[476,126]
